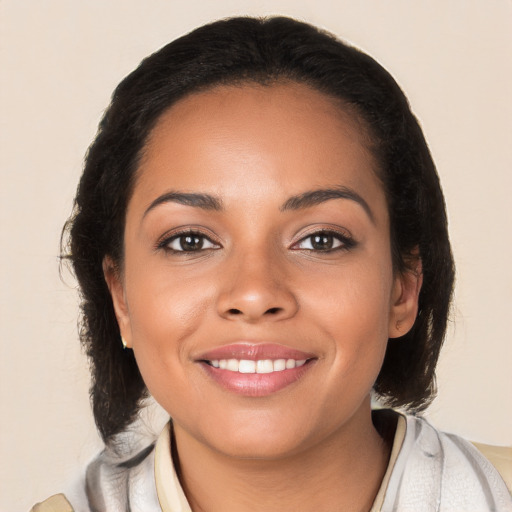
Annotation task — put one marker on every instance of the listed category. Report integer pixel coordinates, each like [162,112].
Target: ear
[404,306]
[115,285]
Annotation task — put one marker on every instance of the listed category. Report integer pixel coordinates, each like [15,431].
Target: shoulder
[501,458]
[110,482]
[439,471]
[122,476]
[56,503]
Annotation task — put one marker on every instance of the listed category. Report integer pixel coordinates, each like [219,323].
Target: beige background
[59,62]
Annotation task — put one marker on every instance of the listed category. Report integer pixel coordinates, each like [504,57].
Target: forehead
[232,139]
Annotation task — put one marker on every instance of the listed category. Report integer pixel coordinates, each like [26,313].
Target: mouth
[256,370]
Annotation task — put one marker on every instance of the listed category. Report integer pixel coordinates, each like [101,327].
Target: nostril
[234,311]
[273,311]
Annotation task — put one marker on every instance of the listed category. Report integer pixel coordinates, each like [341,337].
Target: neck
[343,472]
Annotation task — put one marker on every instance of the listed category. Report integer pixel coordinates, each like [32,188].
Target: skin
[311,445]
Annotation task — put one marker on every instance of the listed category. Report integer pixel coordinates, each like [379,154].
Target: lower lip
[256,384]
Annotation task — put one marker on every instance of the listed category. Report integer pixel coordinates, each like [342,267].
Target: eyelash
[166,242]
[345,241]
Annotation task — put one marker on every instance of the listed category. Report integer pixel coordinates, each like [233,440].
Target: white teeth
[232,365]
[260,366]
[246,366]
[290,363]
[264,366]
[279,365]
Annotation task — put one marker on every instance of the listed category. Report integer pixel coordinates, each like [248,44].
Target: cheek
[165,301]
[164,313]
[357,295]
[352,309]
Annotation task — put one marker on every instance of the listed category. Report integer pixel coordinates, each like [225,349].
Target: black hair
[263,51]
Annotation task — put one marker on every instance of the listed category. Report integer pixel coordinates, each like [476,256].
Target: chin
[259,448]
[259,440]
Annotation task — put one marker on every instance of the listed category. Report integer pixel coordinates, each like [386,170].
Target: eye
[324,241]
[188,242]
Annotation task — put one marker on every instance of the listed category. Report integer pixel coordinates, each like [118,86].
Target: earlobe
[404,307]
[114,282]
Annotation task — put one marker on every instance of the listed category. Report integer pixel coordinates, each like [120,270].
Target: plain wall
[59,62]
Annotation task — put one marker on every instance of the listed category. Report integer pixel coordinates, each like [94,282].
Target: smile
[259,366]
[256,369]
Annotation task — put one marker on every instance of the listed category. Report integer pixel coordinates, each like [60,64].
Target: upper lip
[254,352]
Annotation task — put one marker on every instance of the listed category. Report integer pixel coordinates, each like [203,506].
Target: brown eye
[189,242]
[322,242]
[325,241]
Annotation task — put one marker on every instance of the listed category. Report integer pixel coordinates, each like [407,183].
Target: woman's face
[257,289]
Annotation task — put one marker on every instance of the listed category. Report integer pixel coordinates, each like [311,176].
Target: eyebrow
[316,197]
[203,201]
[298,202]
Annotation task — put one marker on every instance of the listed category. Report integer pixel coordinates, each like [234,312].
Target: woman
[261,242]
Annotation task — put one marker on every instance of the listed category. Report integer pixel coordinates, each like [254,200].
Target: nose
[255,289]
